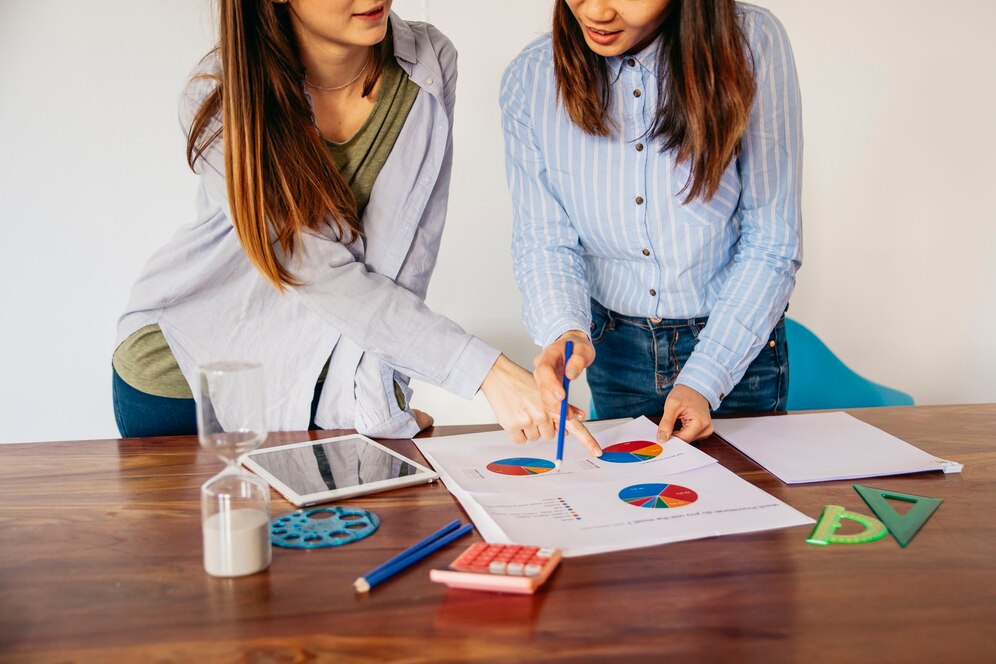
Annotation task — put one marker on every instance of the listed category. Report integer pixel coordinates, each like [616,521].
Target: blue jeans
[638,359]
[139,414]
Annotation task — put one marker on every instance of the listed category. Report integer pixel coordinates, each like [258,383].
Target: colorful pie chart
[521,466]
[657,496]
[633,451]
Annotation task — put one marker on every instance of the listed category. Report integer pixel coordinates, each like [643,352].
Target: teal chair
[818,380]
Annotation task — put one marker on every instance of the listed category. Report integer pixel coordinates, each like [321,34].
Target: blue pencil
[449,527]
[409,557]
[568,350]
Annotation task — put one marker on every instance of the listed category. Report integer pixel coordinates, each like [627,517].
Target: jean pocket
[600,324]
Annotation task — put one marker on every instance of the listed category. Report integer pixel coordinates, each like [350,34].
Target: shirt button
[646,252]
[639,200]
[631,62]
[653,292]
[428,81]
[637,93]
[639,147]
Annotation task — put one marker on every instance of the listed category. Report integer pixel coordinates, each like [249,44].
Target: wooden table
[101,561]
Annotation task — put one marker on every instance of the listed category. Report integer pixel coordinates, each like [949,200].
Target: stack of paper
[817,447]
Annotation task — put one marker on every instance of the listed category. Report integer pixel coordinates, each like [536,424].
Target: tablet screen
[332,465]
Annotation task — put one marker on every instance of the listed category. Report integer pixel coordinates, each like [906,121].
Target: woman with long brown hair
[654,152]
[321,131]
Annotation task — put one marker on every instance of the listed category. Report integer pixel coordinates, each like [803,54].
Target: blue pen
[568,350]
[409,557]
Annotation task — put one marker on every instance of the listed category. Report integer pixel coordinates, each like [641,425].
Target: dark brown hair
[279,176]
[705,86]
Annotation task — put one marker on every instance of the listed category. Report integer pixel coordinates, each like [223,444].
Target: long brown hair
[705,86]
[279,176]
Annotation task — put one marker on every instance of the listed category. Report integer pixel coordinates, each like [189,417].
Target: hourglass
[235,505]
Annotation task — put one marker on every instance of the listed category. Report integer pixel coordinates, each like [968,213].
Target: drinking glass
[235,505]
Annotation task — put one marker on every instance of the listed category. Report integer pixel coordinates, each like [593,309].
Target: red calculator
[505,568]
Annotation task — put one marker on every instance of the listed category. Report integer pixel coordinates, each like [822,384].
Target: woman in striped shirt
[654,153]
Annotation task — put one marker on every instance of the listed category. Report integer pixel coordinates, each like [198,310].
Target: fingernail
[598,453]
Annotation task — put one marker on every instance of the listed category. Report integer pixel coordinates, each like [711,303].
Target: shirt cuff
[707,377]
[471,368]
[561,325]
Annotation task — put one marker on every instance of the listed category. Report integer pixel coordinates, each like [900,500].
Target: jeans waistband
[641,321]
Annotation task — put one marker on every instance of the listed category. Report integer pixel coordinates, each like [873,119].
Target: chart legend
[568,508]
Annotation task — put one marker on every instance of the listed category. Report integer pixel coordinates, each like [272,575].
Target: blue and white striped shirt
[603,217]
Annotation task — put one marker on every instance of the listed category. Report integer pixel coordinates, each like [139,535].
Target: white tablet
[319,471]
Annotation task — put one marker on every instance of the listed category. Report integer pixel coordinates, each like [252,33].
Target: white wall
[900,232]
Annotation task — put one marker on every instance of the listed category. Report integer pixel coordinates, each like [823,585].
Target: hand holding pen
[512,393]
[554,371]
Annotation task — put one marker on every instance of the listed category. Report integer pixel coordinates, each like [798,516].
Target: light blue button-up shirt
[604,217]
[361,303]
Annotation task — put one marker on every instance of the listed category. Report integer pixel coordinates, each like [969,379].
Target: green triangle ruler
[903,527]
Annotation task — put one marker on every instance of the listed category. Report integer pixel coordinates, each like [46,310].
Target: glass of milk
[235,505]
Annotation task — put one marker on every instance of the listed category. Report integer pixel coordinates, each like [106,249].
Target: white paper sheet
[584,509]
[596,518]
[818,447]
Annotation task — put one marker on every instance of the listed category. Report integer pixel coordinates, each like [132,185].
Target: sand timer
[235,505]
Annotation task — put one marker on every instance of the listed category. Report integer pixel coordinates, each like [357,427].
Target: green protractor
[829,522]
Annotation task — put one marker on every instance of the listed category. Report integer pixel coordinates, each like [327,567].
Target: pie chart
[632,451]
[657,496]
[521,466]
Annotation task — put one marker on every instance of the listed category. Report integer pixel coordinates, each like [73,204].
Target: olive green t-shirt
[144,359]
[361,158]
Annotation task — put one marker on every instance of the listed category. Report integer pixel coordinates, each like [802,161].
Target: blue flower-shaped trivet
[334,526]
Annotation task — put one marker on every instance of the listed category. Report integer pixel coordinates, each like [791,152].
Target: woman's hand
[687,405]
[512,393]
[422,419]
[550,366]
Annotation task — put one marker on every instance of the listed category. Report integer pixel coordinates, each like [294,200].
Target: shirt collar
[646,59]
[404,40]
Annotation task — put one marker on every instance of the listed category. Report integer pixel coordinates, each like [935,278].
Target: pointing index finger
[577,429]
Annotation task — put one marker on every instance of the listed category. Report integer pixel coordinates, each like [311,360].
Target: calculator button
[497,567]
[532,569]
[514,569]
[544,552]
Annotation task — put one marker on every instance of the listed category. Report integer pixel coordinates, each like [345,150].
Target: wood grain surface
[101,561]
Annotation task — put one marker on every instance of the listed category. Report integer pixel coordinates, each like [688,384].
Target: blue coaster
[300,530]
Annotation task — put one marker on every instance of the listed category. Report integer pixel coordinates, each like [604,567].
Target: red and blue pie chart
[521,466]
[632,451]
[658,496]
